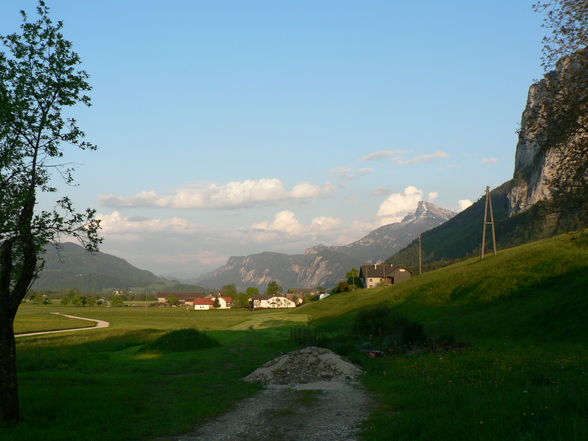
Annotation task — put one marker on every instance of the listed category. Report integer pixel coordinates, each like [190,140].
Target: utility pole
[488,207]
[420,256]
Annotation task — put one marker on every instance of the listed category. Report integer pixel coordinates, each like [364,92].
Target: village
[369,276]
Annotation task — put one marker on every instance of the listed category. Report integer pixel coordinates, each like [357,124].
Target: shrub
[183,340]
[388,329]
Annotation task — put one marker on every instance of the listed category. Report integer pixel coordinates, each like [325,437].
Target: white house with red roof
[203,303]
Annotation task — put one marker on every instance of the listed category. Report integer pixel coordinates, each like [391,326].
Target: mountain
[71,266]
[325,265]
[548,192]
[377,245]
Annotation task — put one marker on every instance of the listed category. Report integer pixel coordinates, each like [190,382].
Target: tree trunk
[9,405]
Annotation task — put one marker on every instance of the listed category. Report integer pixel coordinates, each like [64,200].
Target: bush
[388,329]
[183,340]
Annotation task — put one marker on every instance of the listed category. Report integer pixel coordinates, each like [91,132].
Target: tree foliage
[252,291]
[171,299]
[39,79]
[273,288]
[563,119]
[568,22]
[229,290]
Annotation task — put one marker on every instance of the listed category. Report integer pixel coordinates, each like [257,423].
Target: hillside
[71,266]
[535,291]
[461,236]
[325,265]
[504,353]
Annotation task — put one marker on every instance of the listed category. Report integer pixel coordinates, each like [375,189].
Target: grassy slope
[460,237]
[523,377]
[534,291]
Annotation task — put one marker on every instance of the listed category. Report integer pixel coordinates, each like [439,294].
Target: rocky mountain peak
[428,209]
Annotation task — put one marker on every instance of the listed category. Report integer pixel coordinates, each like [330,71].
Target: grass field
[33,319]
[520,375]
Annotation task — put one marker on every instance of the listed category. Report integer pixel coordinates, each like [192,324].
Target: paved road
[99,324]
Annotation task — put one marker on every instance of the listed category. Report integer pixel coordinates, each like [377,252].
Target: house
[203,303]
[383,274]
[271,301]
[224,302]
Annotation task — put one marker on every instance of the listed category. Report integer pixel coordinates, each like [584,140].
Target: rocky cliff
[325,265]
[552,150]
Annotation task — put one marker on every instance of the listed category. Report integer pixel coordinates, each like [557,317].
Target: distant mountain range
[325,265]
[69,265]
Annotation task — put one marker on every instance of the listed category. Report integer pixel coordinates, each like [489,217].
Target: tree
[252,291]
[563,120]
[229,290]
[39,78]
[173,300]
[241,300]
[273,288]
[342,286]
[117,300]
[216,303]
[353,278]
[568,22]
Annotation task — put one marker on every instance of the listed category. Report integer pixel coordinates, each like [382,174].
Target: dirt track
[321,411]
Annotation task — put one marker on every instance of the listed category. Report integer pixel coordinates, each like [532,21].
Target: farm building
[203,303]
[271,301]
[383,274]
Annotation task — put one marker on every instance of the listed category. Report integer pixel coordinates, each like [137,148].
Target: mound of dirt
[307,365]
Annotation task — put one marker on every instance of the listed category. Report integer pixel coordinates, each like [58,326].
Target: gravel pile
[307,365]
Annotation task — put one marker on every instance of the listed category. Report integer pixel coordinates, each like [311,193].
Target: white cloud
[231,195]
[115,223]
[398,205]
[285,222]
[422,158]
[433,195]
[381,154]
[490,161]
[348,174]
[464,203]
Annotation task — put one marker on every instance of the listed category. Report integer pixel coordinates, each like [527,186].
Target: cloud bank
[234,194]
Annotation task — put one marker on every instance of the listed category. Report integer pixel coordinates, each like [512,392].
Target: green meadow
[516,368]
[32,319]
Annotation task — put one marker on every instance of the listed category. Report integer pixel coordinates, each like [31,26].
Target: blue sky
[232,127]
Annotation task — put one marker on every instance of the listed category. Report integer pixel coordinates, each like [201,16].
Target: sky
[231,127]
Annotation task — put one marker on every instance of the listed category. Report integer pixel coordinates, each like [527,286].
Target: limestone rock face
[542,159]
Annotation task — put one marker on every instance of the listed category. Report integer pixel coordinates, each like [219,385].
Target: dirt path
[320,411]
[99,324]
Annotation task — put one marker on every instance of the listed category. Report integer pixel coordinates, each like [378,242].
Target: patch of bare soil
[310,395]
